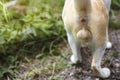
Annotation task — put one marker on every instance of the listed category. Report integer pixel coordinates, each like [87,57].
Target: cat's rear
[86,21]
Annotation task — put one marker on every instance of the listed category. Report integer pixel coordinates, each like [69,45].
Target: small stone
[97,79]
[117,65]
[71,74]
[62,73]
[89,78]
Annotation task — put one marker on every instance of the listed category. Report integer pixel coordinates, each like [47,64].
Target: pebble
[71,74]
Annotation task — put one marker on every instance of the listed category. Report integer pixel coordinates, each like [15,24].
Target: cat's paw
[105,73]
[101,72]
[74,59]
[109,45]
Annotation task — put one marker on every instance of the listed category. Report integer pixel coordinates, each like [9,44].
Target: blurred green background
[35,28]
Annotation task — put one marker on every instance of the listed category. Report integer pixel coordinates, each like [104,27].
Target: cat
[86,23]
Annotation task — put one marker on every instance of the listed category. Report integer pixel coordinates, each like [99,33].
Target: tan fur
[97,21]
[86,21]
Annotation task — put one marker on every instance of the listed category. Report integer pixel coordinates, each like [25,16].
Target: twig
[11,3]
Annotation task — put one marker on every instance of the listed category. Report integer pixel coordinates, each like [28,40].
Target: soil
[111,60]
[81,71]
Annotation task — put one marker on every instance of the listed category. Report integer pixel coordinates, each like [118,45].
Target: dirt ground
[76,72]
[110,60]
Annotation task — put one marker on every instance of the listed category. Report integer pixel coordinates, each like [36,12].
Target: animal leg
[75,46]
[96,63]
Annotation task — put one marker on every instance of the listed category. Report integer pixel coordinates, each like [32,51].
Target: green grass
[50,65]
[33,30]
[41,19]
[33,34]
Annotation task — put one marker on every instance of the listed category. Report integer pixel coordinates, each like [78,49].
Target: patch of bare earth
[111,60]
[39,70]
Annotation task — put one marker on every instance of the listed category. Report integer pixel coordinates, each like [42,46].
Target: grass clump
[29,29]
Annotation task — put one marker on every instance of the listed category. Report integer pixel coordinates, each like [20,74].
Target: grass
[43,65]
[29,30]
[32,40]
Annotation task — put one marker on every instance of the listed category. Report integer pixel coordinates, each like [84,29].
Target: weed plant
[34,28]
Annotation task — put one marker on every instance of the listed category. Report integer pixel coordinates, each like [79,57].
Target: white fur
[75,44]
[73,59]
[97,58]
[107,3]
[109,45]
[105,73]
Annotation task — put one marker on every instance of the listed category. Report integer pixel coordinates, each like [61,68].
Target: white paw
[105,73]
[73,59]
[109,45]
